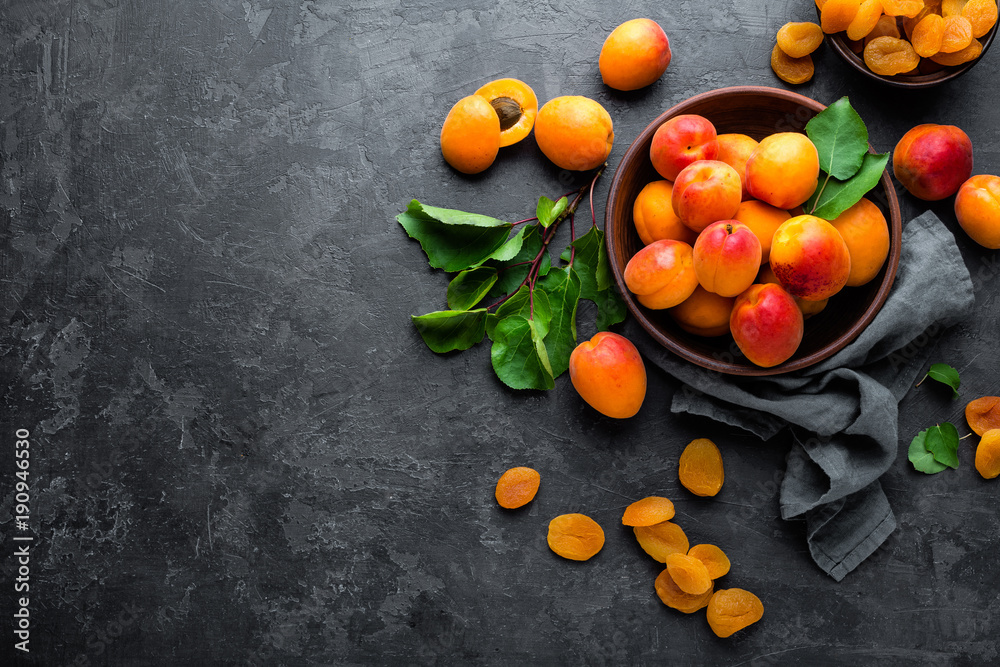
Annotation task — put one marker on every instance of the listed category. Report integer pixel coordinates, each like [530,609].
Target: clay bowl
[840,46]
[758,112]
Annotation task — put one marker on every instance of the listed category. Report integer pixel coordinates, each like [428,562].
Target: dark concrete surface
[243,454]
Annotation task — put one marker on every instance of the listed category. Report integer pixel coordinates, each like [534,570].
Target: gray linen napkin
[842,412]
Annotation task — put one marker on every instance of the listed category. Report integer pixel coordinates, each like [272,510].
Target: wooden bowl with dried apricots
[914,44]
[756,112]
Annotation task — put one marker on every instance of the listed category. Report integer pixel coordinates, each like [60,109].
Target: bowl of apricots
[909,43]
[713,251]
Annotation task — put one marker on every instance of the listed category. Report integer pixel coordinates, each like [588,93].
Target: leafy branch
[531,304]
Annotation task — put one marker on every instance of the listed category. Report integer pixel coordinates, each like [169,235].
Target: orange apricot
[810,257]
[726,257]
[574,132]
[808,308]
[791,70]
[799,38]
[732,609]
[706,191]
[689,573]
[703,313]
[517,487]
[763,220]
[982,15]
[767,324]
[661,275]
[661,539]
[654,217]
[575,536]
[783,170]
[865,231]
[928,35]
[715,560]
[470,136]
[700,468]
[869,12]
[983,414]
[671,595]
[608,373]
[988,454]
[968,54]
[907,8]
[977,207]
[648,511]
[516,106]
[634,55]
[888,56]
[734,150]
[836,15]
[957,34]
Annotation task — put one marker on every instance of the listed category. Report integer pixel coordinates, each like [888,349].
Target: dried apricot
[988,454]
[575,536]
[928,35]
[700,468]
[470,136]
[907,8]
[516,106]
[574,132]
[982,15]
[952,7]
[732,609]
[968,54]
[983,414]
[886,26]
[957,34]
[865,20]
[671,595]
[888,56]
[799,38]
[517,487]
[648,511]
[689,573]
[715,560]
[662,539]
[836,15]
[791,70]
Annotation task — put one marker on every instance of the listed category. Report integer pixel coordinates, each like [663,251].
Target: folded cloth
[843,411]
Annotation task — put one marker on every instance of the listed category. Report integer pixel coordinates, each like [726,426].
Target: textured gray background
[244,454]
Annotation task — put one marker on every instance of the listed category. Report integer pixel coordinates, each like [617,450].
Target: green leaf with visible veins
[832,197]
[945,374]
[942,442]
[448,330]
[563,287]
[922,460]
[841,139]
[510,248]
[518,354]
[527,304]
[593,267]
[548,211]
[453,240]
[469,287]
[512,271]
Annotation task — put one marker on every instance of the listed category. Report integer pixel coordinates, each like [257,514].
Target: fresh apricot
[763,220]
[515,104]
[783,170]
[470,136]
[703,313]
[609,375]
[808,308]
[654,217]
[766,324]
[734,149]
[574,132]
[977,207]
[681,140]
[634,55]
[932,160]
[517,487]
[661,275]
[865,231]
[810,257]
[706,191]
[726,257]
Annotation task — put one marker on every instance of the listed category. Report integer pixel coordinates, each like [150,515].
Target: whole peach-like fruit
[706,191]
[661,275]
[726,257]
[866,233]
[810,257]
[608,373]
[654,217]
[470,136]
[766,324]
[932,161]
[574,132]
[703,313]
[681,140]
[735,149]
[808,308]
[763,219]
[634,55]
[783,170]
[977,207]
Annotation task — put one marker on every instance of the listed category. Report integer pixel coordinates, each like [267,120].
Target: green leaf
[946,375]
[531,305]
[469,287]
[513,271]
[511,247]
[549,211]
[922,460]
[563,288]
[834,196]
[593,267]
[942,442]
[518,354]
[448,330]
[841,139]
[453,240]
[611,309]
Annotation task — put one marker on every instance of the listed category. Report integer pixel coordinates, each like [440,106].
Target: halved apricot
[516,105]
